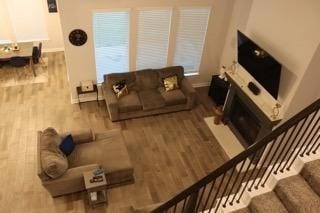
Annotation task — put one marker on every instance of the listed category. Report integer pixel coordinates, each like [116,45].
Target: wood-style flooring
[169,152]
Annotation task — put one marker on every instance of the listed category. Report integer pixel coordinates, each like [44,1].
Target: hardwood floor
[169,152]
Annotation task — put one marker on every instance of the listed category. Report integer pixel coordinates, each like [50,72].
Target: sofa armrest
[189,91]
[69,182]
[80,136]
[111,102]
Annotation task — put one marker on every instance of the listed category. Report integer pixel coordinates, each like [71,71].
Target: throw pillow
[120,89]
[67,145]
[171,83]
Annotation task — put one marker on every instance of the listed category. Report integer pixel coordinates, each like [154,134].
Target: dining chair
[35,55]
[20,62]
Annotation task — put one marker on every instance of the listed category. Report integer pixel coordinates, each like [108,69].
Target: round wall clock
[78,37]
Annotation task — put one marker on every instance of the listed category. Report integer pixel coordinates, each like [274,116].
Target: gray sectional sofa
[147,95]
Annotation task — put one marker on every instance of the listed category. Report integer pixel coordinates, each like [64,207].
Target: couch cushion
[174,97]
[170,71]
[151,99]
[110,153]
[130,102]
[54,164]
[147,79]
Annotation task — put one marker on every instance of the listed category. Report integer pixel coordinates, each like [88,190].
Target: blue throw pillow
[67,145]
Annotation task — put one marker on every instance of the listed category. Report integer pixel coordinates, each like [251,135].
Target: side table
[80,92]
[97,191]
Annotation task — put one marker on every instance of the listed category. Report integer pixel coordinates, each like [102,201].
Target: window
[111,42]
[191,33]
[153,38]
[28,22]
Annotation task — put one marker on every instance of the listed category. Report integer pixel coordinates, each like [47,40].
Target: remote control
[253,88]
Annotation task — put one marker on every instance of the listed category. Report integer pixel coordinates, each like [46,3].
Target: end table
[80,92]
[97,191]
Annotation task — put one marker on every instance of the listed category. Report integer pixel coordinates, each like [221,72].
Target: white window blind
[111,42]
[191,33]
[5,26]
[153,38]
[28,20]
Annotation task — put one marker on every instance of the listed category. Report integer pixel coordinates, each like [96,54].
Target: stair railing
[300,135]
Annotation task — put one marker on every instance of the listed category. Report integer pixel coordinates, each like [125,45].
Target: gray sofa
[147,96]
[105,150]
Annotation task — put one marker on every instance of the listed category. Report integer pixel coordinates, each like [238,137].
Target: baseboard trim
[50,50]
[86,99]
[204,84]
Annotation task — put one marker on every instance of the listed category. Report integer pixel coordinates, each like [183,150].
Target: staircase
[279,173]
[298,193]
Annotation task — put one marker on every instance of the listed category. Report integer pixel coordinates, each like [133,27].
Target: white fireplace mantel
[264,101]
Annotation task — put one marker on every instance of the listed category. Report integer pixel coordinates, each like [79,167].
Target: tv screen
[261,65]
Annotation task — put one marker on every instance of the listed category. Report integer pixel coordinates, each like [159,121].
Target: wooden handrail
[240,157]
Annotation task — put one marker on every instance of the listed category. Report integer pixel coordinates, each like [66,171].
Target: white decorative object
[86,86]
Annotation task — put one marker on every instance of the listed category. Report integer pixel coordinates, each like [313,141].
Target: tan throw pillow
[171,83]
[53,164]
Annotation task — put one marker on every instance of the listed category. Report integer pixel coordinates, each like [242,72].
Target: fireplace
[243,122]
[244,115]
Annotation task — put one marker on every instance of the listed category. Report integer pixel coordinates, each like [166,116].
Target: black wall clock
[78,37]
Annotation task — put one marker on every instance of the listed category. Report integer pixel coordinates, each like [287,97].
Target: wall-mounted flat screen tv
[260,64]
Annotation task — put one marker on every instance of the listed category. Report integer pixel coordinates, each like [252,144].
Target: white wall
[289,30]
[80,60]
[55,42]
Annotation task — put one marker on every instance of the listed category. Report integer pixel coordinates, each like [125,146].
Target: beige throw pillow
[171,83]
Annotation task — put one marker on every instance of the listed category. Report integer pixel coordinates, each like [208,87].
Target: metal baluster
[297,153]
[175,208]
[301,154]
[200,198]
[268,164]
[297,144]
[216,195]
[315,150]
[313,145]
[244,188]
[274,154]
[263,149]
[210,191]
[184,204]
[285,149]
[225,188]
[234,182]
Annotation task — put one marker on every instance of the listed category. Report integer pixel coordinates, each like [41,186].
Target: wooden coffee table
[97,191]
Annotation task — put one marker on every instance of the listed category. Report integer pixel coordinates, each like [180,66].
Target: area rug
[22,76]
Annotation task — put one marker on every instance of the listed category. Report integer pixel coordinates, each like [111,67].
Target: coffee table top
[89,175]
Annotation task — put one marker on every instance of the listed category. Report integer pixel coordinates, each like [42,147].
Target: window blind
[191,32]
[153,38]
[111,42]
[28,20]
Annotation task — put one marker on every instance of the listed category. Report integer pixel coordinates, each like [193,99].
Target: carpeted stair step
[268,202]
[297,196]
[311,173]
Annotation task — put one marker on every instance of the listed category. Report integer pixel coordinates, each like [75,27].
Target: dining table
[7,51]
